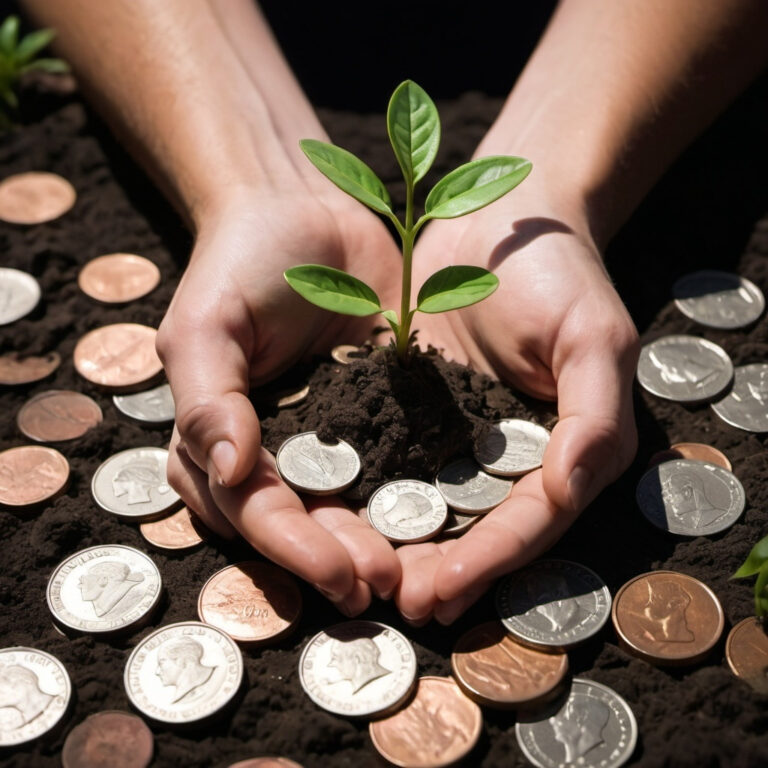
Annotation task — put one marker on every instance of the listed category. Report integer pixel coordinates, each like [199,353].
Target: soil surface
[710,211]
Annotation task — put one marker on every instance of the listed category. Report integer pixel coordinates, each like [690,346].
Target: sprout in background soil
[413,126]
[757,563]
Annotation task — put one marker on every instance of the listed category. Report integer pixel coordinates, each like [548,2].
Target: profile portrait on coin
[662,616]
[107,586]
[139,479]
[20,691]
[357,661]
[580,729]
[179,663]
[682,364]
[554,601]
[408,510]
[686,499]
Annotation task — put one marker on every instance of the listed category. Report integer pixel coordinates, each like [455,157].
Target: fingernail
[385,595]
[415,622]
[580,487]
[223,456]
[334,597]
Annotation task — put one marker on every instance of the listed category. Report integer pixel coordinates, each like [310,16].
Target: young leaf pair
[757,564]
[413,126]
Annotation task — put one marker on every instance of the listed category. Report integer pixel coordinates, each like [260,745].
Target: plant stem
[405,299]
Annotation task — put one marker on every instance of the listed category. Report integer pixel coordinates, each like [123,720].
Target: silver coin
[593,727]
[345,353]
[358,669]
[133,484]
[512,447]
[35,692]
[311,466]
[19,294]
[104,589]
[183,672]
[155,406]
[457,523]
[466,488]
[686,369]
[718,299]
[746,405]
[690,498]
[553,604]
[407,511]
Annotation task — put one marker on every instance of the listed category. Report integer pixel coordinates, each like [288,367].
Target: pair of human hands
[555,329]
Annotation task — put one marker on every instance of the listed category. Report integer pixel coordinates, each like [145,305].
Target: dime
[133,484]
[345,353]
[31,474]
[690,498]
[35,197]
[701,452]
[118,356]
[439,726]
[311,466]
[553,605]
[184,672]
[19,294]
[466,488]
[16,370]
[266,762]
[455,523]
[253,602]
[747,652]
[109,739]
[154,406]
[746,405]
[685,369]
[592,727]
[667,618]
[180,530]
[495,671]
[358,669]
[718,299]
[118,277]
[512,447]
[58,415]
[407,511]
[35,692]
[104,589]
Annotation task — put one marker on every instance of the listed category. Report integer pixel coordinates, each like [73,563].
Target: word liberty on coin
[309,465]
[718,299]
[407,511]
[512,447]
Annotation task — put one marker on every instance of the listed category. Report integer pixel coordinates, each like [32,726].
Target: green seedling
[757,564]
[413,126]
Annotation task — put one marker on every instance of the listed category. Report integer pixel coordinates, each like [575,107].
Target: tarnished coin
[466,488]
[15,369]
[438,727]
[253,602]
[104,589]
[746,405]
[180,530]
[154,406]
[133,484]
[496,671]
[686,369]
[35,692]
[553,605]
[592,727]
[120,356]
[345,353]
[747,652]
[512,447]
[718,299]
[31,474]
[358,669]
[19,294]
[701,452]
[407,511]
[184,672]
[35,197]
[266,762]
[311,466]
[109,739]
[118,277]
[58,415]
[690,498]
[455,523]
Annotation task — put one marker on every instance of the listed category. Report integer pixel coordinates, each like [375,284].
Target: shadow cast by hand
[525,231]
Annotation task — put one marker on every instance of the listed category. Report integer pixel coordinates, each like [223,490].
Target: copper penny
[35,197]
[57,415]
[495,671]
[118,277]
[747,652]
[661,456]
[118,356]
[31,474]
[266,762]
[109,739]
[438,727]
[15,370]
[181,530]
[667,618]
[701,452]
[252,602]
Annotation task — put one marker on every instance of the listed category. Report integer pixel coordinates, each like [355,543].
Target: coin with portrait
[512,447]
[407,511]
[310,465]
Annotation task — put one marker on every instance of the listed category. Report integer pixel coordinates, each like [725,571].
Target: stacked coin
[467,489]
[695,451]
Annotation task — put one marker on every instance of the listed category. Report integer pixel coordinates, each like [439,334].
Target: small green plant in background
[757,564]
[413,126]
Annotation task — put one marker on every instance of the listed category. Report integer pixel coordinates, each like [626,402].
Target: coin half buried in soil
[153,406]
[495,671]
[35,197]
[31,474]
[180,530]
[667,618]
[407,511]
[747,652]
[345,353]
[512,447]
[466,488]
[109,739]
[358,669]
[455,523]
[19,294]
[266,762]
[15,369]
[118,277]
[746,405]
[438,727]
[718,299]
[253,602]
[58,415]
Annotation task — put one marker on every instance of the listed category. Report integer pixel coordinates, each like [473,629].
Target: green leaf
[755,560]
[32,44]
[391,317]
[761,592]
[413,126]
[474,185]
[9,97]
[53,66]
[455,287]
[333,289]
[348,173]
[9,35]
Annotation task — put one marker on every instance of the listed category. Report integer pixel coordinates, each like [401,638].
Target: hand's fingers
[447,612]
[357,600]
[415,596]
